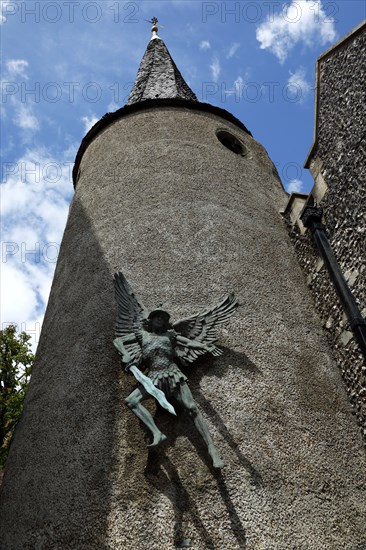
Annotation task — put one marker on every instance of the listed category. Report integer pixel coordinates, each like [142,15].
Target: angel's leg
[133,402]
[185,397]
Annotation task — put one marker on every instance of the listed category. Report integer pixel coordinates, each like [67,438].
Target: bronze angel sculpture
[150,340]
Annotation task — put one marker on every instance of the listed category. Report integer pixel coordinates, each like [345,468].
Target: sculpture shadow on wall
[209,367]
[163,475]
[219,368]
[167,480]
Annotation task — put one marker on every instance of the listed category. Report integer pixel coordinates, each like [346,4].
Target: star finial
[154,28]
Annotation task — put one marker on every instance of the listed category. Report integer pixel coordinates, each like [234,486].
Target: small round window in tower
[231,142]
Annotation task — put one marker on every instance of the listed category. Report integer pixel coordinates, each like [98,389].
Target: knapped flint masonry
[311,217]
[337,161]
[188,217]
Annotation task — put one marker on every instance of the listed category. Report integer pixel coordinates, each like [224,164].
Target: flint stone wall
[186,220]
[339,160]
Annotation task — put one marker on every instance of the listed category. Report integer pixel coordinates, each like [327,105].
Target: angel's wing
[203,327]
[131,314]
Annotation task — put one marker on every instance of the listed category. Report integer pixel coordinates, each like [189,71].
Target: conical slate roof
[158,76]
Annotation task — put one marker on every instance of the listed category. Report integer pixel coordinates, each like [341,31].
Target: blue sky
[66,63]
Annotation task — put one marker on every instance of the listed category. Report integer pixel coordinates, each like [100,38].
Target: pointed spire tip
[158,77]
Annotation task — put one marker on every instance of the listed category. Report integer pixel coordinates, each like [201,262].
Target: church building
[180,197]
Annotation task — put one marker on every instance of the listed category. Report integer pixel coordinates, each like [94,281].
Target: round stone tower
[179,196]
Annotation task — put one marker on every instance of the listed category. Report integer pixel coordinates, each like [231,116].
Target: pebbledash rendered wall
[187,220]
[337,161]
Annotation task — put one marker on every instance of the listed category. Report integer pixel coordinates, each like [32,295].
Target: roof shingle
[158,76]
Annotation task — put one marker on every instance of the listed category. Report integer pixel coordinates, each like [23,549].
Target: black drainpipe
[311,217]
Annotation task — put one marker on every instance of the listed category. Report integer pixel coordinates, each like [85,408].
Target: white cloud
[113,106]
[237,89]
[42,278]
[302,21]
[298,86]
[205,45]
[239,84]
[22,294]
[233,49]
[17,67]
[89,122]
[35,198]
[24,117]
[294,186]
[4,4]
[22,112]
[18,300]
[215,68]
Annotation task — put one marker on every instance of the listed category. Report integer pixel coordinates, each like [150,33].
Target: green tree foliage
[16,361]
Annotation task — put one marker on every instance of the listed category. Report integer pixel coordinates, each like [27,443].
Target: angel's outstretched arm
[198,345]
[119,344]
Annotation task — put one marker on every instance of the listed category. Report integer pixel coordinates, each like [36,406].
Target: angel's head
[158,321]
